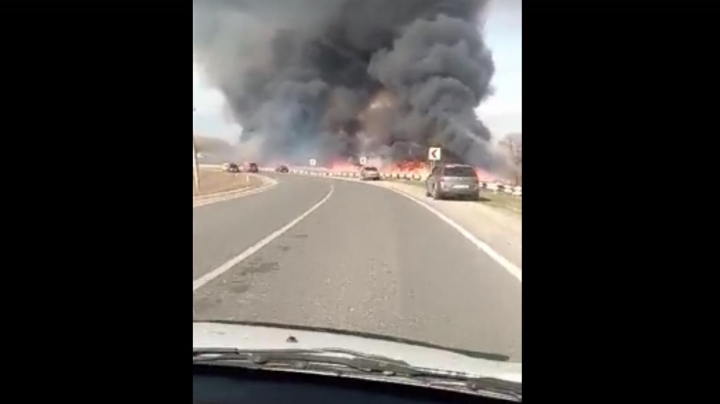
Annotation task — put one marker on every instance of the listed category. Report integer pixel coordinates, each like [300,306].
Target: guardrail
[490,186]
[320,172]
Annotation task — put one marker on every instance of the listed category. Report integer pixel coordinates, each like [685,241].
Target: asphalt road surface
[365,260]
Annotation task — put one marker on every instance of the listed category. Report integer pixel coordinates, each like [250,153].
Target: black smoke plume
[302,75]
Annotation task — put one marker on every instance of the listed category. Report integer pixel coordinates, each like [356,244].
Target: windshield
[459,172]
[334,90]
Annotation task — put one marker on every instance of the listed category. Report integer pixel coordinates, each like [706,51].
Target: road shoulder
[498,228]
[221,186]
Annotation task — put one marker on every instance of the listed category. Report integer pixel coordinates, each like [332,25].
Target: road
[366,259]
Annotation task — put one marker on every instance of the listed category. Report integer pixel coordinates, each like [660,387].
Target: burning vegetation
[340,79]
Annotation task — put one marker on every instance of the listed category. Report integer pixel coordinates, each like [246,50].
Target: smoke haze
[342,78]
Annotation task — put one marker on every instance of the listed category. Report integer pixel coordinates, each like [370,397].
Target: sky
[501,112]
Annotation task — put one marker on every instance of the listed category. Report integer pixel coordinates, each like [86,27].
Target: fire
[411,167]
[404,168]
[484,176]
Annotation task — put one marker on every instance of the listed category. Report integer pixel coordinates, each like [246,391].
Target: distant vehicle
[282,169]
[453,180]
[252,168]
[231,167]
[369,173]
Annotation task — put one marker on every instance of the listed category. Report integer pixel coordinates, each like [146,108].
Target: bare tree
[512,146]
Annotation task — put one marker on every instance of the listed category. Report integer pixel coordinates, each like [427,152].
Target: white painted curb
[233,194]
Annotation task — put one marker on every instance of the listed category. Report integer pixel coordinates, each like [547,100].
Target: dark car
[232,168]
[282,169]
[453,180]
[253,168]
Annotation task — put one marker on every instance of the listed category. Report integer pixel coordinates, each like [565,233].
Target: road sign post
[313,162]
[434,155]
[196,174]
[363,160]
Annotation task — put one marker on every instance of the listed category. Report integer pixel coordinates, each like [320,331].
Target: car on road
[453,181]
[231,167]
[282,169]
[369,173]
[252,168]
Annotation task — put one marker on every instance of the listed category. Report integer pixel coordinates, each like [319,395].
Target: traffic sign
[313,162]
[434,154]
[363,160]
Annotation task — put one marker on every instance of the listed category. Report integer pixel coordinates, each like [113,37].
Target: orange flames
[403,168]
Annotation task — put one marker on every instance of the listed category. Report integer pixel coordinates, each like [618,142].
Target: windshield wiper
[342,360]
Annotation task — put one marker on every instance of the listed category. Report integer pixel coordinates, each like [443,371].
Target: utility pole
[196,174]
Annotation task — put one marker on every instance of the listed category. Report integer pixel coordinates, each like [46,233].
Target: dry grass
[499,200]
[212,181]
[502,200]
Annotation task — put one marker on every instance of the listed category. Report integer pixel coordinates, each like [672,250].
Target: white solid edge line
[201,281]
[509,266]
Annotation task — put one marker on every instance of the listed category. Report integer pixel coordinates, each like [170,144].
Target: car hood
[251,336]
